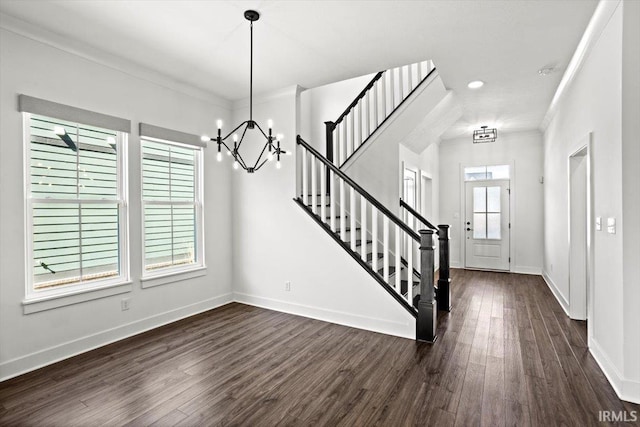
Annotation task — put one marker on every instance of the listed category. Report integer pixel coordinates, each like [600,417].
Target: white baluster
[374,238]
[398,261]
[375,103]
[304,175]
[343,149]
[420,75]
[400,96]
[363,228]
[343,220]
[410,78]
[360,138]
[392,89]
[409,269]
[385,250]
[336,145]
[314,199]
[323,192]
[384,95]
[332,200]
[353,212]
[368,113]
[352,141]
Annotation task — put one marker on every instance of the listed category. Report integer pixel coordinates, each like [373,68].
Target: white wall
[276,241]
[595,103]
[524,150]
[44,71]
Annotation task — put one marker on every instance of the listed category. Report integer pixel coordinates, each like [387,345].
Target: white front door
[486,225]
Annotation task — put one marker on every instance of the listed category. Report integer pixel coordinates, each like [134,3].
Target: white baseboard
[524,269]
[39,359]
[625,389]
[403,330]
[556,292]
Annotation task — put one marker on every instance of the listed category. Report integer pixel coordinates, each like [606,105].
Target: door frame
[584,144]
[512,210]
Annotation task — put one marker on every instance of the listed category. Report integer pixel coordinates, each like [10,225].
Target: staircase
[397,256]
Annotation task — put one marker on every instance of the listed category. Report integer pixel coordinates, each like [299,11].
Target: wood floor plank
[506,355]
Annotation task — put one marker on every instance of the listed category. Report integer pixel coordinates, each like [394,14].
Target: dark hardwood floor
[506,355]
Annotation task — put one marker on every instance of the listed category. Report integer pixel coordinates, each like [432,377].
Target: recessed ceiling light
[475,84]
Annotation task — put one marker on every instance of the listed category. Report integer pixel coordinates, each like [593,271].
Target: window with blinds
[76,203]
[172,206]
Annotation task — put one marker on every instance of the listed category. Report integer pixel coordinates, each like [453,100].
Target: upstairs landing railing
[371,108]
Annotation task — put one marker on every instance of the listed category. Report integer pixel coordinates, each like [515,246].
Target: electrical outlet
[124,304]
[287,286]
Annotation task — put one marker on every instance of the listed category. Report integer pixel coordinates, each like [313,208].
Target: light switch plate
[611,225]
[598,223]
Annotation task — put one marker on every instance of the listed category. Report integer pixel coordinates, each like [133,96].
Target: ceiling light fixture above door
[271,148]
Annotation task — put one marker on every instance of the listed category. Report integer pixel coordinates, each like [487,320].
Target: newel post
[427,307]
[444,279]
[329,127]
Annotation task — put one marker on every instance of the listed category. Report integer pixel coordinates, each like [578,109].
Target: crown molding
[85,51]
[601,17]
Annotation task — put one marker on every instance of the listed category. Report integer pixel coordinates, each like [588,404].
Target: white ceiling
[205,44]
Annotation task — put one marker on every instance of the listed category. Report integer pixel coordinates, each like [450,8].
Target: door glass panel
[498,172]
[493,199]
[479,225]
[493,226]
[475,173]
[479,199]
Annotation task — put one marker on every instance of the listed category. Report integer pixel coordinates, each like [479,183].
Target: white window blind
[76,204]
[171,177]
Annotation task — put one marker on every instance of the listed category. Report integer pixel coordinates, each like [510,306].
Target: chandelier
[271,148]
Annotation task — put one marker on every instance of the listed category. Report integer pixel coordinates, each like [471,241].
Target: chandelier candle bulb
[219,156]
[278,165]
[219,123]
[205,138]
[270,124]
[59,130]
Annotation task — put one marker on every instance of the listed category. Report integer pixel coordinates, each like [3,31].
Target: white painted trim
[626,389]
[82,50]
[524,269]
[172,277]
[36,305]
[14,367]
[332,316]
[603,13]
[556,292]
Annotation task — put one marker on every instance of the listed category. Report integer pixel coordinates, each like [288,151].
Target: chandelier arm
[240,160]
[261,153]
[236,128]
[263,162]
[225,145]
[264,134]
[242,138]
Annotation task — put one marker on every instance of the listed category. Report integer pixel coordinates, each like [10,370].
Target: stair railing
[370,109]
[443,296]
[369,223]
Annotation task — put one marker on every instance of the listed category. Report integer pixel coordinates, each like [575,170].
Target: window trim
[175,273]
[95,287]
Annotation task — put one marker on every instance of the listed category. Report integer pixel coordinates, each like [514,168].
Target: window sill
[37,304]
[172,277]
